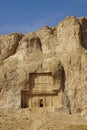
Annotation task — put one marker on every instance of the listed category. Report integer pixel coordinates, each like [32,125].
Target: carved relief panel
[40,82]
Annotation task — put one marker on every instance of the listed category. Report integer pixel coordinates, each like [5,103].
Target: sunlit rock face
[50,63]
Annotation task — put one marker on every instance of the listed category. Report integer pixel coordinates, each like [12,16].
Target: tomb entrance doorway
[41,104]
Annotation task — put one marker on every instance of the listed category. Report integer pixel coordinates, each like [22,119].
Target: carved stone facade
[47,67]
[41,92]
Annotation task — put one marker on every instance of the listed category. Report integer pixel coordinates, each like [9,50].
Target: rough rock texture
[40,120]
[71,34]
[46,50]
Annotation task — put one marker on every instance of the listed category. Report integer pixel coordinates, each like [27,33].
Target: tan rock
[55,58]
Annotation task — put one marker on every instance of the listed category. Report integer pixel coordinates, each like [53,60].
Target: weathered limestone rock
[70,35]
[8,45]
[61,50]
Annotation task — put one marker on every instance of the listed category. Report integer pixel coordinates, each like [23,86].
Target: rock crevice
[61,50]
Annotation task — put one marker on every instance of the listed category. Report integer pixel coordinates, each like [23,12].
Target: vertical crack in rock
[39,52]
[65,98]
[66,102]
[59,79]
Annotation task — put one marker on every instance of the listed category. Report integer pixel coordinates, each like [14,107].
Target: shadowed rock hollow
[49,65]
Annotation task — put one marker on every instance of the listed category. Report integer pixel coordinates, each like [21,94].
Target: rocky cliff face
[46,50]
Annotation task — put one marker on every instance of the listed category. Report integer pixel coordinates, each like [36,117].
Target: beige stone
[46,68]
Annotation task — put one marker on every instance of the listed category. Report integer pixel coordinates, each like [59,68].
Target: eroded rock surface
[61,50]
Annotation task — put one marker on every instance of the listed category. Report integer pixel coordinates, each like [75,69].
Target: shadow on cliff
[65,98]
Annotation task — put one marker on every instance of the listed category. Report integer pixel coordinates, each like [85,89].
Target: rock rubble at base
[43,50]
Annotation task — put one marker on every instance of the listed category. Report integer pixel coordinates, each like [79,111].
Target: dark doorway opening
[41,103]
